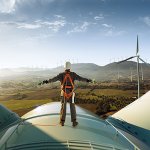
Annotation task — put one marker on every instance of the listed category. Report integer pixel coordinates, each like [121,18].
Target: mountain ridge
[110,71]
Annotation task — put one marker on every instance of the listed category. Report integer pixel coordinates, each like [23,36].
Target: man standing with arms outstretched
[67,79]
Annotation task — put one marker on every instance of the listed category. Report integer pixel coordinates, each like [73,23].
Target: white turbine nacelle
[39,129]
[133,120]
[137,113]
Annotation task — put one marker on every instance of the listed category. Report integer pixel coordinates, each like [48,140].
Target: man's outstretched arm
[54,79]
[79,78]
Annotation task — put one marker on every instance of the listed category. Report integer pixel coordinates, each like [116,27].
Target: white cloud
[28,26]
[8,23]
[84,26]
[146,20]
[113,33]
[55,25]
[99,17]
[59,16]
[111,30]
[107,25]
[21,25]
[7,6]
[79,28]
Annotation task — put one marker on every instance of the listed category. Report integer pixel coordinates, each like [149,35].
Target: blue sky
[46,33]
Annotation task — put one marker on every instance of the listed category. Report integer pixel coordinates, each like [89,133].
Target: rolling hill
[111,71]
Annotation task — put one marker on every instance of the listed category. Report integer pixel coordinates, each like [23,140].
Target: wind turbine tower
[142,72]
[137,56]
[131,75]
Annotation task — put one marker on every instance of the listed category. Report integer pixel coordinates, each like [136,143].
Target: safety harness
[67,79]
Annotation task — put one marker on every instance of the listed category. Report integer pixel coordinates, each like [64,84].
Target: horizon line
[47,67]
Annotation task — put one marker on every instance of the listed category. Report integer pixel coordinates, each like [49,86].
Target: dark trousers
[63,110]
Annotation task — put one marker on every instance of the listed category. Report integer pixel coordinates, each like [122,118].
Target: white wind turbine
[138,59]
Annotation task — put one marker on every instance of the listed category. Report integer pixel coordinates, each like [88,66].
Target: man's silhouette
[67,79]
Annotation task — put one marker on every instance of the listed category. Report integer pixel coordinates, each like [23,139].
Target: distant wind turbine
[138,59]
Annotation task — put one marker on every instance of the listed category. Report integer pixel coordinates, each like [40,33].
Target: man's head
[67,65]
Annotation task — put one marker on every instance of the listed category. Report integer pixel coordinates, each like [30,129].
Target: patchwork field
[102,99]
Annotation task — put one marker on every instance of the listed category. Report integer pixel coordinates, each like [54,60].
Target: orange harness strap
[67,95]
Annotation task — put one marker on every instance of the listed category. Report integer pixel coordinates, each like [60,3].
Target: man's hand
[89,80]
[44,82]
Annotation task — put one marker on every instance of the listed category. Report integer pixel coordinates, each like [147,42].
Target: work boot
[74,124]
[61,123]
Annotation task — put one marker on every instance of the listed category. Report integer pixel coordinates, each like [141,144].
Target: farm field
[101,99]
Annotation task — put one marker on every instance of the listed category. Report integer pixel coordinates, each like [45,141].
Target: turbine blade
[142,60]
[126,59]
[137,46]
